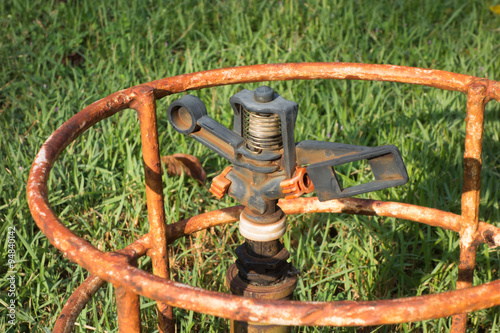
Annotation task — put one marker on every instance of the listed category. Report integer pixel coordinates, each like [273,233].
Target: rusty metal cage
[120,267]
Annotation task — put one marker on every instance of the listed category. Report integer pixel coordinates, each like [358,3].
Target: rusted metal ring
[115,267]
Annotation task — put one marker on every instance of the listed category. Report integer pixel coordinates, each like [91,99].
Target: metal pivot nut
[262,269]
[263,94]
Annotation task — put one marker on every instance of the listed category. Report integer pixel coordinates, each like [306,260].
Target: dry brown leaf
[177,164]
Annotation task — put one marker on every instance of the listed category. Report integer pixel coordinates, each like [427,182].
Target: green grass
[96,187]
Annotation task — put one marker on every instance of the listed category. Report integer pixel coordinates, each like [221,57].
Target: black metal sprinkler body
[269,165]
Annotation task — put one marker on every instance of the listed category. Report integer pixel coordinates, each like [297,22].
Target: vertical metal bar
[129,316]
[476,97]
[145,105]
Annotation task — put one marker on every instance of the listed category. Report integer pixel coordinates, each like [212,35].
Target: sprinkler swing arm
[313,160]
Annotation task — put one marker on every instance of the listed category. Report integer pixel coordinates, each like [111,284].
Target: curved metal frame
[119,267]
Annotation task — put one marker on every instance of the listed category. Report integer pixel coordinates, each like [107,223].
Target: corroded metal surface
[476,97]
[145,105]
[76,303]
[283,290]
[129,316]
[118,267]
[82,295]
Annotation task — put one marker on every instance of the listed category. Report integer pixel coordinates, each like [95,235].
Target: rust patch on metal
[129,317]
[76,303]
[145,105]
[118,267]
[82,295]
[476,98]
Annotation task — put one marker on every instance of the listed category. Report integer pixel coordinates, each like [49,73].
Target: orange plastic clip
[298,184]
[220,184]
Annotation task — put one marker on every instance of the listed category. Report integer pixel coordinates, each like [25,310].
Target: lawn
[56,57]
